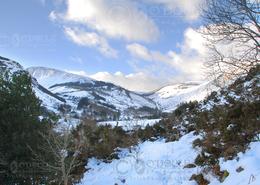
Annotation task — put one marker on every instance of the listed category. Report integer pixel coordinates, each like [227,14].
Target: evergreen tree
[20,125]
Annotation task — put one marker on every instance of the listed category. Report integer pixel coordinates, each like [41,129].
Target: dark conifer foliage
[20,125]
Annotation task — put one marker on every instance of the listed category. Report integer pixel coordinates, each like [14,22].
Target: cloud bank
[92,23]
[188,62]
[115,19]
[139,82]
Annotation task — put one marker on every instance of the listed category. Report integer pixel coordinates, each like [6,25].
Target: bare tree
[234,24]
[64,155]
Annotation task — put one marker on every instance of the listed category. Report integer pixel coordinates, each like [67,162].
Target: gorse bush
[101,141]
[230,126]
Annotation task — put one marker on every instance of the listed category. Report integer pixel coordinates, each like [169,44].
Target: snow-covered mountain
[7,64]
[48,77]
[169,97]
[76,89]
[49,100]
[91,97]
[105,101]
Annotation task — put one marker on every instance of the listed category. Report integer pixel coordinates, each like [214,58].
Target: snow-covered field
[160,163]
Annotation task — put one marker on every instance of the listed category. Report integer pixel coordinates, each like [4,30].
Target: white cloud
[81,73]
[193,40]
[139,51]
[191,9]
[116,19]
[90,39]
[134,81]
[53,16]
[163,68]
[188,63]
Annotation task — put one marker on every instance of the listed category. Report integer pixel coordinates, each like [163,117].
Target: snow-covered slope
[160,163]
[74,87]
[49,100]
[249,161]
[9,65]
[55,87]
[208,155]
[150,163]
[49,77]
[86,94]
[169,97]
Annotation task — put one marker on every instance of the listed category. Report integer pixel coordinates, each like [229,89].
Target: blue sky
[140,45]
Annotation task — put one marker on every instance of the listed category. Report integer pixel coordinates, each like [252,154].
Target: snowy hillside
[48,77]
[93,97]
[49,100]
[74,87]
[218,142]
[169,97]
[102,100]
[9,65]
[153,163]
[160,163]
[106,101]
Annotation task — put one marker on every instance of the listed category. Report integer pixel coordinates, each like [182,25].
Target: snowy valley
[130,92]
[171,150]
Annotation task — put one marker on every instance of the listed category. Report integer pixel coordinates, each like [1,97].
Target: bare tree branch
[234,23]
[64,152]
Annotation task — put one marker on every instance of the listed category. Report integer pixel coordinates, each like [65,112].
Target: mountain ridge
[83,92]
[49,99]
[85,96]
